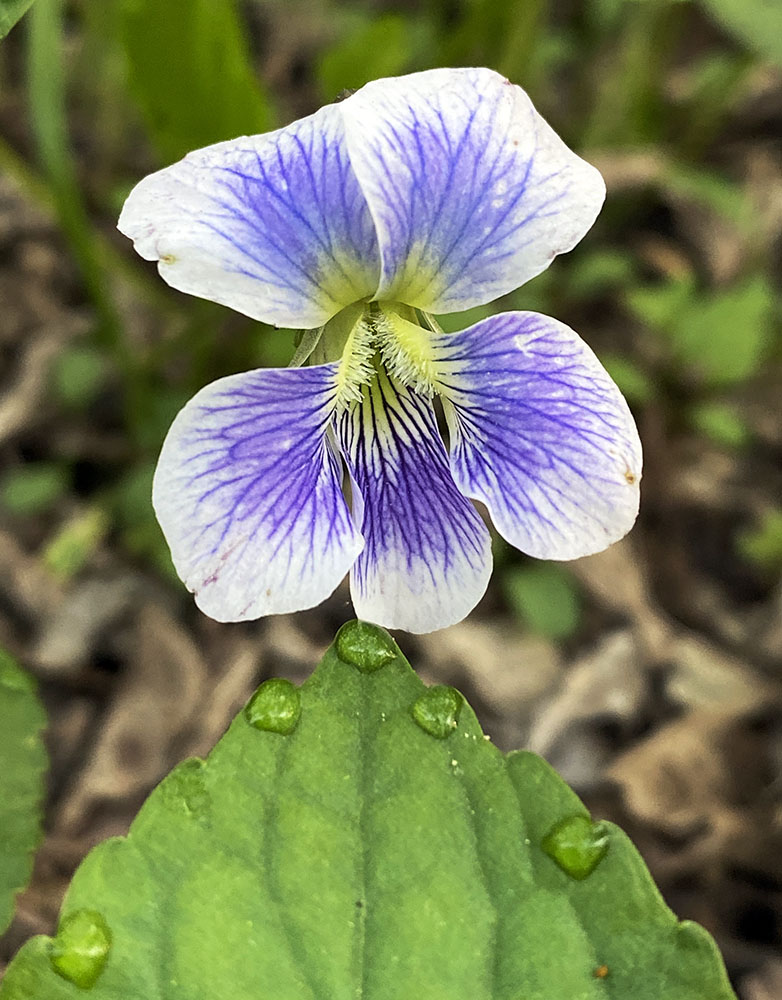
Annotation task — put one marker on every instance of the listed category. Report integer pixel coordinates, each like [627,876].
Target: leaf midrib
[364,778]
[299,954]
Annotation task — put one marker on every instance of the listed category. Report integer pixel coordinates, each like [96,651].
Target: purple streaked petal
[248,493]
[540,434]
[427,557]
[471,191]
[272,225]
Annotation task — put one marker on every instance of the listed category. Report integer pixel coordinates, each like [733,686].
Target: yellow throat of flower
[367,335]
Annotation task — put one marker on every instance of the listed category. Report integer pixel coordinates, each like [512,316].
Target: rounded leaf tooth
[272,225]
[471,191]
[540,434]
[248,493]
[427,558]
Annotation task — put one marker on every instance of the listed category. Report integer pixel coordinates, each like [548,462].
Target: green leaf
[377,46]
[723,336]
[756,23]
[721,423]
[190,71]
[132,512]
[729,201]
[22,765]
[359,837]
[30,489]
[75,542]
[545,597]
[659,305]
[78,376]
[634,383]
[762,543]
[726,335]
[372,845]
[47,54]
[10,12]
[597,272]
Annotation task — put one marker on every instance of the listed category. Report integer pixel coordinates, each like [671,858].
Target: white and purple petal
[272,225]
[472,193]
[427,556]
[249,494]
[540,434]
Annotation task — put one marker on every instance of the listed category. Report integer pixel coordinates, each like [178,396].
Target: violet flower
[429,193]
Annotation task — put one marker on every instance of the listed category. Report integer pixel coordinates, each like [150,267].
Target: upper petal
[427,558]
[471,191]
[540,434]
[272,225]
[249,495]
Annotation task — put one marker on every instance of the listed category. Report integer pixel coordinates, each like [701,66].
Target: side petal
[272,225]
[427,558]
[540,434]
[471,191]
[249,496]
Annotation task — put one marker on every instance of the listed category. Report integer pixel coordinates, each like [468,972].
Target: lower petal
[427,556]
[248,493]
[540,434]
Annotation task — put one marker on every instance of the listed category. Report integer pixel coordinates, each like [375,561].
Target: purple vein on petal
[426,560]
[248,492]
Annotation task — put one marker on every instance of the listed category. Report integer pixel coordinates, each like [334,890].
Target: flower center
[366,336]
[406,349]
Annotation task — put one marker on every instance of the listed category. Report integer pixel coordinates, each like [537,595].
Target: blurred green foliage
[762,544]
[758,23]
[10,12]
[370,46]
[22,766]
[78,375]
[721,423]
[189,70]
[720,337]
[544,597]
[118,89]
[30,489]
[75,541]
[636,385]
